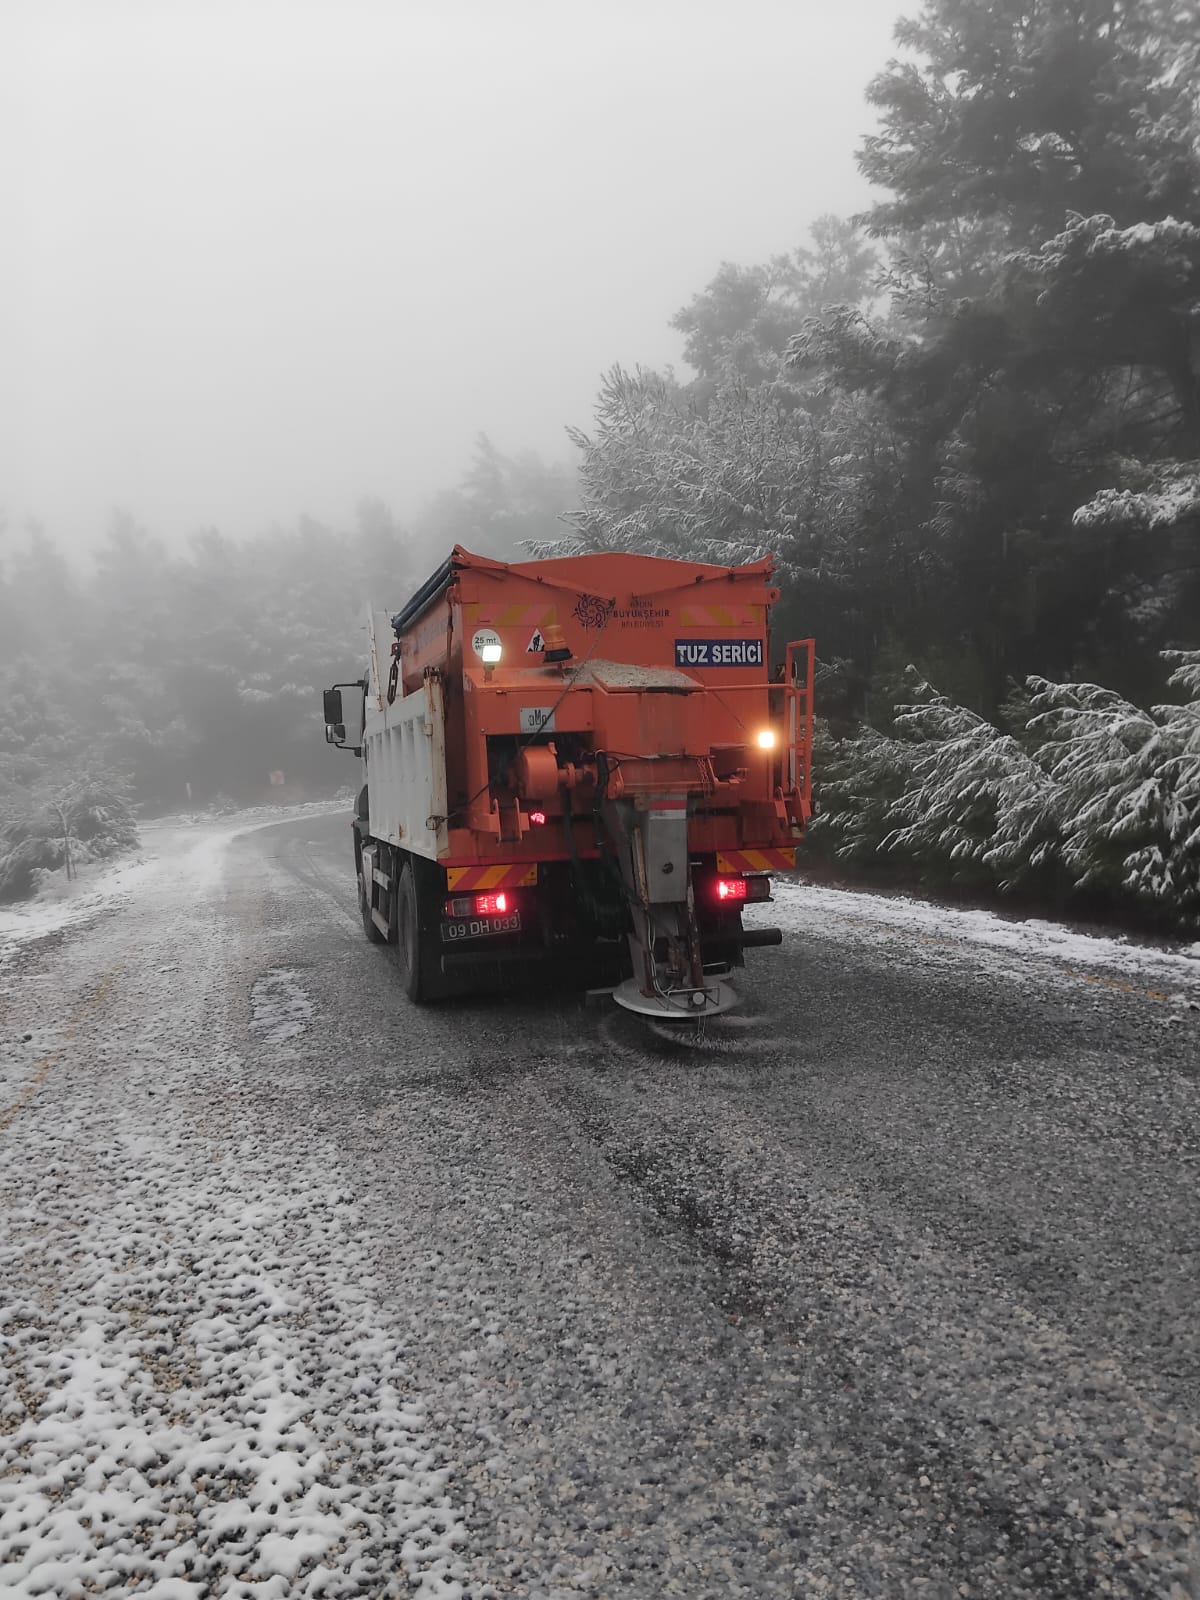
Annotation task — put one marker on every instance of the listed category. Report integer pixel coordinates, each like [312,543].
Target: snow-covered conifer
[1129,783]
[858,780]
[976,803]
[1094,746]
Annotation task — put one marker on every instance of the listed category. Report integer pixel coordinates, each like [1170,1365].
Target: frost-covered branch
[1095,792]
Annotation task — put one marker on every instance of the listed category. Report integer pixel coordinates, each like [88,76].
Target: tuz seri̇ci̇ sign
[718,652]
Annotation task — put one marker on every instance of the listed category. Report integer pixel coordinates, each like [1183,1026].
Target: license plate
[480,927]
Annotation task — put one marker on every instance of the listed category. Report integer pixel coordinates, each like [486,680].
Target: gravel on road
[883,1286]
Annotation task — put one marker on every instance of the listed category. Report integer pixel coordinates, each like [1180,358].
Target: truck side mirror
[345,713]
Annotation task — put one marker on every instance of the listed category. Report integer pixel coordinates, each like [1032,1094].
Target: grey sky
[266,258]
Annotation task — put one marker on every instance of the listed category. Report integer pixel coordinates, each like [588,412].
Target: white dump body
[404,749]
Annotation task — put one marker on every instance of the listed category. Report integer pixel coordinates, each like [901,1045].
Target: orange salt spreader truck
[579,767]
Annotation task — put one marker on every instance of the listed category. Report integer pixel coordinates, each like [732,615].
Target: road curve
[885,1286]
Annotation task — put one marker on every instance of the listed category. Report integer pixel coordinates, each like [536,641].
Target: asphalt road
[887,1285]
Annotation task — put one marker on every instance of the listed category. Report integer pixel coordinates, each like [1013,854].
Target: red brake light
[491,905]
[731,888]
[538,818]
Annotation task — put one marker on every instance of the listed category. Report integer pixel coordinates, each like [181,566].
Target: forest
[161,682]
[965,422]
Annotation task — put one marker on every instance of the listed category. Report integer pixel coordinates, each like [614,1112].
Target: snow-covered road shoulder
[857,918]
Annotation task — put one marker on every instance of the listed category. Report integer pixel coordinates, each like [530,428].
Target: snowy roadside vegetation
[1076,792]
[966,424]
[61,824]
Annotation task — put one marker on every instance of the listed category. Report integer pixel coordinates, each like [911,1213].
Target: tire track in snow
[296,864]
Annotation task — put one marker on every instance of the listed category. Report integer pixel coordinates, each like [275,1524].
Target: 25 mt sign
[718,652]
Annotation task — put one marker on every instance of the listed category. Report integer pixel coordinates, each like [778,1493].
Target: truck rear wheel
[416,954]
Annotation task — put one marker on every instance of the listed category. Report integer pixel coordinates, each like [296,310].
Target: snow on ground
[816,911]
[202,1390]
[214,1404]
[281,1006]
[192,848]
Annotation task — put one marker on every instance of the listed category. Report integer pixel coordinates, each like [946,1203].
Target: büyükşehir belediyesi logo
[590,611]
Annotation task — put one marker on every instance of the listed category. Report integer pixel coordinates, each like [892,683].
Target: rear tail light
[479,905]
[732,891]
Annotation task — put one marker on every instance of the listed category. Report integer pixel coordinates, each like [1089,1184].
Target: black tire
[417,956]
[364,906]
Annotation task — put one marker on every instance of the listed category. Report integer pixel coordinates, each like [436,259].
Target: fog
[265,260]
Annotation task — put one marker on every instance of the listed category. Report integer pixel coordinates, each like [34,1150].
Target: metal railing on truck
[799,666]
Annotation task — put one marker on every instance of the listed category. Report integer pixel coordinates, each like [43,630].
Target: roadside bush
[56,827]
[20,859]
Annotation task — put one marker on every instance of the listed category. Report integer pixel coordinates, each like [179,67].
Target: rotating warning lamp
[554,644]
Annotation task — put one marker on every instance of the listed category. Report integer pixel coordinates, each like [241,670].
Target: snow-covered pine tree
[1175,751]
[976,805]
[1097,793]
[858,780]
[1129,783]
[1044,176]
